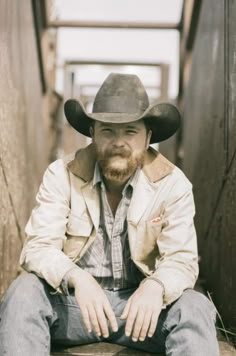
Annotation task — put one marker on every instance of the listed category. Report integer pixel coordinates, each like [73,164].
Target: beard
[119,164]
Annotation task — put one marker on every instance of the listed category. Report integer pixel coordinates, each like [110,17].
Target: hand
[142,310]
[93,302]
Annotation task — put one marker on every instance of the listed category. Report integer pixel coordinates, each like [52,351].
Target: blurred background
[93,39]
[184,51]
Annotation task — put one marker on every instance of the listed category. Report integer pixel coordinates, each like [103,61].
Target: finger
[102,321]
[146,325]
[85,316]
[138,324]
[126,309]
[94,320]
[110,316]
[153,324]
[130,320]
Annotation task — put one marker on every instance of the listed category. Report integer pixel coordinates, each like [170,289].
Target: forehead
[139,124]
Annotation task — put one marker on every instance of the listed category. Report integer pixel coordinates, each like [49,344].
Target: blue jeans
[31,318]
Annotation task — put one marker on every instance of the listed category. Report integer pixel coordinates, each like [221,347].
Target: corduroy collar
[155,165]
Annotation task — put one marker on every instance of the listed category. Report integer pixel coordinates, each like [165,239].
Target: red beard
[121,174]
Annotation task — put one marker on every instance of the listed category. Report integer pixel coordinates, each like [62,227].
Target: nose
[118,140]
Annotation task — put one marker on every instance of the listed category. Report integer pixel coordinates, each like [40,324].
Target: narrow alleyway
[185,53]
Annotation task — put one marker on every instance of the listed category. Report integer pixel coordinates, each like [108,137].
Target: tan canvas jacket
[161,231]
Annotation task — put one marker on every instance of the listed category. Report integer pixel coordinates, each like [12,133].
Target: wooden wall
[209,142]
[24,130]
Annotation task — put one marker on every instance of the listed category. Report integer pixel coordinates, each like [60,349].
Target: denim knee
[24,288]
[26,316]
[196,301]
[27,295]
[192,307]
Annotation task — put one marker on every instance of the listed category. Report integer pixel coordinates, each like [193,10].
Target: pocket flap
[79,226]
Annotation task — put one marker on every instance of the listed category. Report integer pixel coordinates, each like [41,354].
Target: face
[120,148]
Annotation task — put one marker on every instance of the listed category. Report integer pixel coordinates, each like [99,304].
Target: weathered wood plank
[230,83]
[106,349]
[209,146]
[24,129]
[102,348]
[204,156]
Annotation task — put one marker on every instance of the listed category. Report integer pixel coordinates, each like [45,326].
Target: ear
[149,135]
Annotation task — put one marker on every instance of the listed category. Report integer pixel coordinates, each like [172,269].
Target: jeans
[32,318]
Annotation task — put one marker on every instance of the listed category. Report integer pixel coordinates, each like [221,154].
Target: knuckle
[86,319]
[93,320]
[96,303]
[103,324]
[96,327]
[130,318]
[99,312]
[138,324]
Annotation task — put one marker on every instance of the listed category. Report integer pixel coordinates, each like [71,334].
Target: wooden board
[209,146]
[24,131]
[105,349]
[230,83]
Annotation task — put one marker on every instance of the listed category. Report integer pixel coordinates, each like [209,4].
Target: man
[111,244]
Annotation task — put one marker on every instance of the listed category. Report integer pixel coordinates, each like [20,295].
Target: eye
[131,131]
[106,129]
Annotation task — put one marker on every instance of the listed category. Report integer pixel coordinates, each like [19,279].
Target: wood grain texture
[106,349]
[230,83]
[209,144]
[23,131]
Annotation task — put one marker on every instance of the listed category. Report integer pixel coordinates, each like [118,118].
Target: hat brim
[163,119]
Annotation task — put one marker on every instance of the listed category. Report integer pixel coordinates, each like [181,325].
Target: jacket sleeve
[177,267]
[45,231]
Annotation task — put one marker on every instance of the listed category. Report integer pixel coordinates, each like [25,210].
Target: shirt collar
[97,177]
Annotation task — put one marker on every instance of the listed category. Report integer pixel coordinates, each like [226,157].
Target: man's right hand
[95,307]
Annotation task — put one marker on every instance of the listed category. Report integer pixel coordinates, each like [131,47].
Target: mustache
[122,152]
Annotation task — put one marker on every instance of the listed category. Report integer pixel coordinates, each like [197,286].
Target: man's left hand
[142,310]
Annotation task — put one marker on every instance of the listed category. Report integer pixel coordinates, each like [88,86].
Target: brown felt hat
[122,98]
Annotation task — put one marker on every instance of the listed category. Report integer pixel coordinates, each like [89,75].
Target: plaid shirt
[108,258]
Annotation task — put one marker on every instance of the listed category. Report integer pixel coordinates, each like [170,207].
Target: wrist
[74,276]
[159,284]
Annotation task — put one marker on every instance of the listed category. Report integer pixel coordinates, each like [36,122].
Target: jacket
[161,230]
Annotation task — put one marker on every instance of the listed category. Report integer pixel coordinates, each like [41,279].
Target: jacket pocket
[79,226]
[148,233]
[153,229]
[79,230]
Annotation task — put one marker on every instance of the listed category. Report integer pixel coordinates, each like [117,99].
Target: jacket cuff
[156,280]
[52,268]
[65,281]
[174,284]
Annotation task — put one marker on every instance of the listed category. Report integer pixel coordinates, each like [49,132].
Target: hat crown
[121,93]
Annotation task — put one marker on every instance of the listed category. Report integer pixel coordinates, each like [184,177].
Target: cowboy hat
[121,99]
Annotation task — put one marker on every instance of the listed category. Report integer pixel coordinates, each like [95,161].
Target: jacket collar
[155,165]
